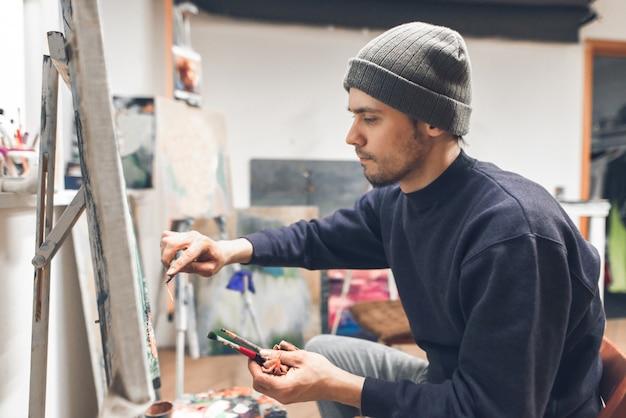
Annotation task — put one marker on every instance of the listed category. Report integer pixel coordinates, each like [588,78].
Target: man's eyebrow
[364,110]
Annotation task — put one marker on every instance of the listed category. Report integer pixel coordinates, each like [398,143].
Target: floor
[220,372]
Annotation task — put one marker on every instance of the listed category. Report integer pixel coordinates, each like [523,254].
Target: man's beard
[380,180]
[384,178]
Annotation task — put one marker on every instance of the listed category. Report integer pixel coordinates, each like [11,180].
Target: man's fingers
[289,358]
[180,263]
[286,345]
[189,252]
[171,243]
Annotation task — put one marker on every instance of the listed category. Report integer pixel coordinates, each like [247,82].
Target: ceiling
[534,20]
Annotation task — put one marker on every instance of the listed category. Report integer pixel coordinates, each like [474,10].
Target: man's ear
[434,131]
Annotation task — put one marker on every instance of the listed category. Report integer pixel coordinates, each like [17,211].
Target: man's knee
[320,343]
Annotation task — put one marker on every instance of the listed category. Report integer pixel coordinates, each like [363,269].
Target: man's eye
[370,120]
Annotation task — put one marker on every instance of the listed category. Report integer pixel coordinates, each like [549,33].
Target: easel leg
[180,316]
[347,281]
[247,303]
[184,311]
[247,309]
[45,213]
[192,335]
[185,328]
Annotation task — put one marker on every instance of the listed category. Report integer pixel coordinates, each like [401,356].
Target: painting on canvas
[135,129]
[187,75]
[284,303]
[329,185]
[194,165]
[347,287]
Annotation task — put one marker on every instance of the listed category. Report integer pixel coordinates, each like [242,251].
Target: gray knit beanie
[419,69]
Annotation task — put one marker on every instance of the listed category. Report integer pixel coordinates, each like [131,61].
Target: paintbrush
[169,292]
[178,254]
[241,340]
[243,350]
[169,278]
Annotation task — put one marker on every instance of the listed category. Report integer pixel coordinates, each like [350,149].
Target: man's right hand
[199,254]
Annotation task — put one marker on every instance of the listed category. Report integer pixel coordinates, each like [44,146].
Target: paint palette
[238,402]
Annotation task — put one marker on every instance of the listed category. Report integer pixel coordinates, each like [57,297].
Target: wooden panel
[114,252]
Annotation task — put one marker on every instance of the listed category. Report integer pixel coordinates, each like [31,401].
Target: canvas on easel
[187,75]
[288,299]
[193,160]
[87,283]
[78,57]
[195,184]
[135,127]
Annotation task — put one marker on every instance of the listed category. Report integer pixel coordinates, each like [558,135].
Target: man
[499,287]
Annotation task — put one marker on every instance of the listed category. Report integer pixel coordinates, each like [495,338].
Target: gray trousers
[364,358]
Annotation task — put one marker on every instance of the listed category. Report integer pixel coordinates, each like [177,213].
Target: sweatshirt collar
[447,183]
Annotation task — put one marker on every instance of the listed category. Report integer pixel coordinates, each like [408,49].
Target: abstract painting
[347,287]
[329,185]
[285,302]
[194,165]
[135,129]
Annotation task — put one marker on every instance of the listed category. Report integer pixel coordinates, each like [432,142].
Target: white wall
[528,110]
[12,58]
[610,22]
[134,38]
[70,388]
[280,88]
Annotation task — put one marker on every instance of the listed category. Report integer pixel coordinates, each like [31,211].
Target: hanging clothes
[616,251]
[599,166]
[615,192]
[615,183]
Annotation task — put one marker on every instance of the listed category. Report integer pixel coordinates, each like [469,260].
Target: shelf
[20,200]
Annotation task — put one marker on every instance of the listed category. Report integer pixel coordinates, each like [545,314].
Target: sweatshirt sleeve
[349,238]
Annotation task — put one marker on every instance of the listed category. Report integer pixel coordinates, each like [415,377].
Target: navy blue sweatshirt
[499,286]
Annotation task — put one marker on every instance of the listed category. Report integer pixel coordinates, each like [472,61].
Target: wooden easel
[78,57]
[184,316]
